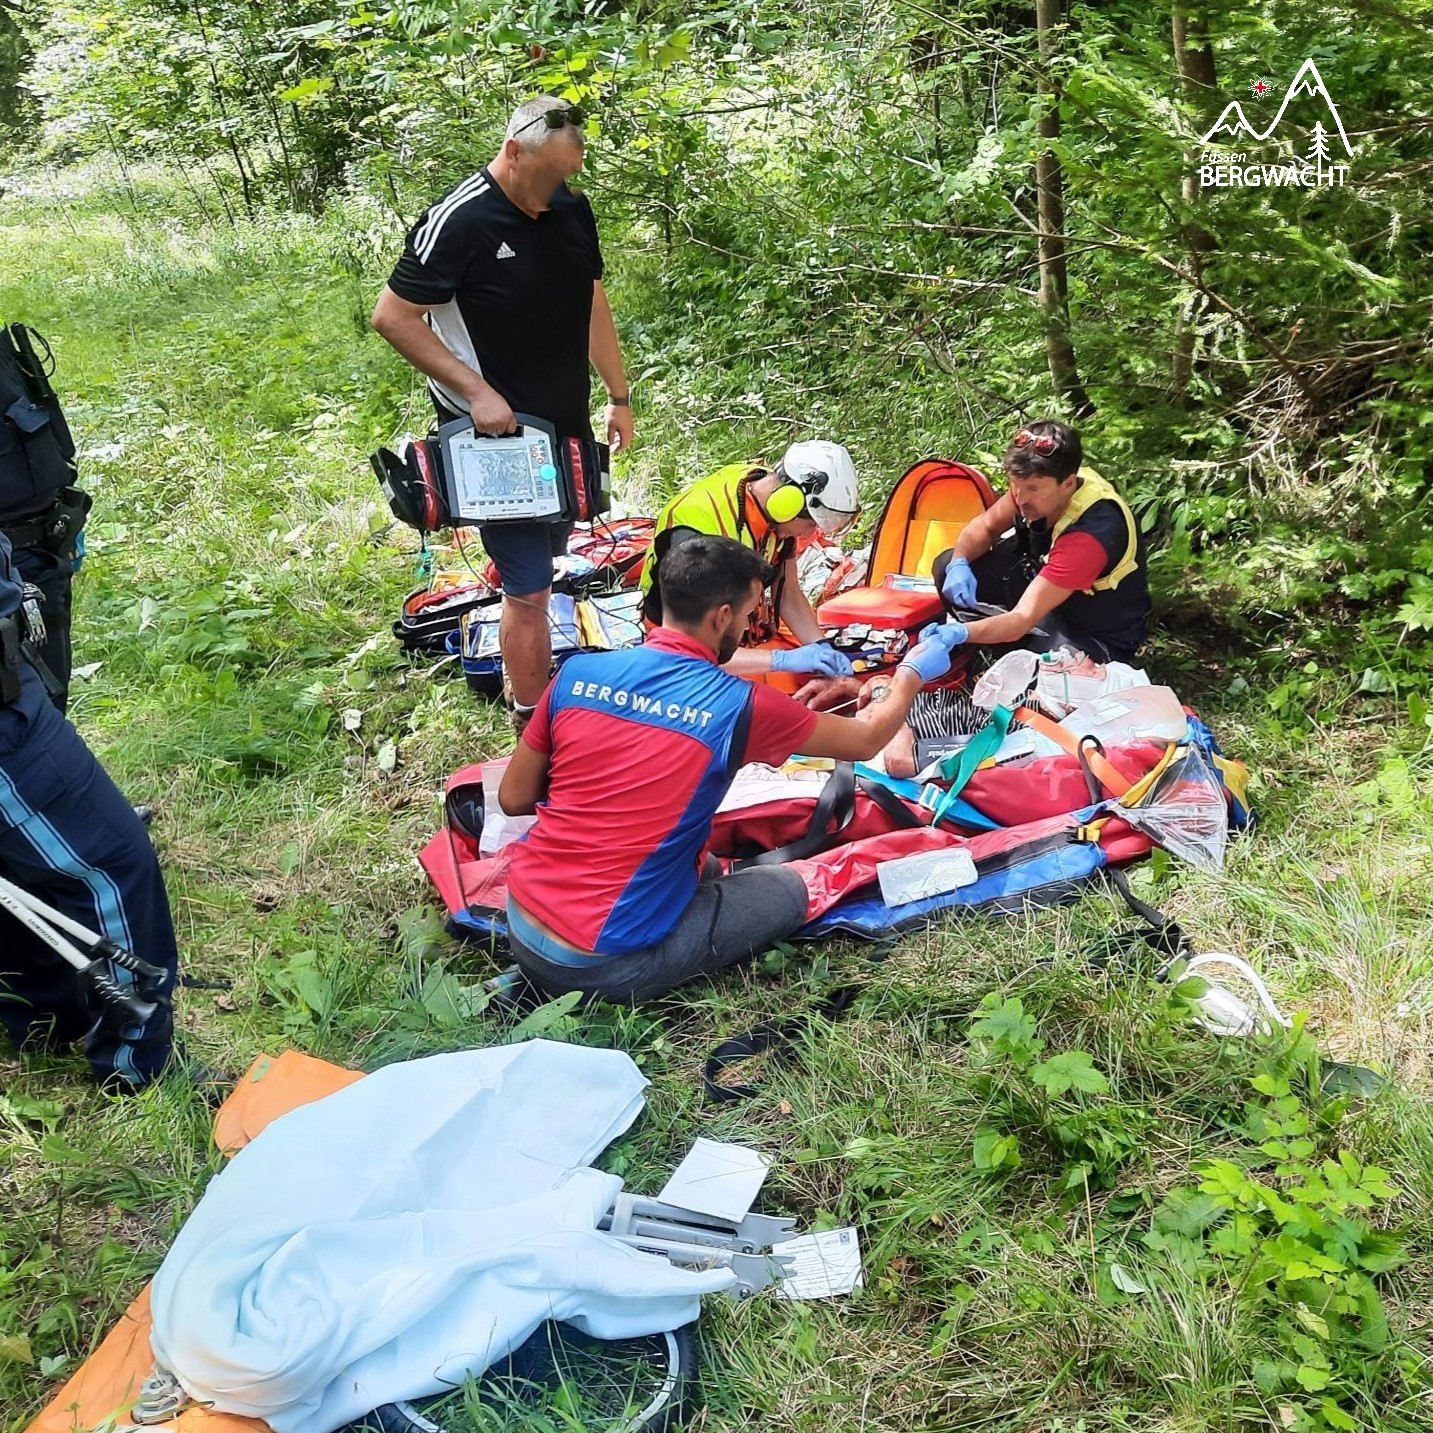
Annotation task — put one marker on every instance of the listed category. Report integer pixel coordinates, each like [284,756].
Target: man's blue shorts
[523,552]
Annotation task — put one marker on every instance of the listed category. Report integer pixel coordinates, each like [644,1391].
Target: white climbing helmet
[825,473]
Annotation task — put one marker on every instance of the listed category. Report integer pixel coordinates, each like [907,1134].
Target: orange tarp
[104,1387]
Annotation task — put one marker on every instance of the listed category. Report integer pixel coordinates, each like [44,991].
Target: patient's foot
[900,754]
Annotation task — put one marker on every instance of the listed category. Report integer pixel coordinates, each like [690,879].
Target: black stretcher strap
[1028,850]
[890,803]
[834,809]
[1162,933]
[1082,755]
[778,1038]
[832,814]
[774,1037]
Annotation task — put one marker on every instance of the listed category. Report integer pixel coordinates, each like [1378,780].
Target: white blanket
[389,1239]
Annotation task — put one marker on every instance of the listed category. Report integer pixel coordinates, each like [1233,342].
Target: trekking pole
[93,960]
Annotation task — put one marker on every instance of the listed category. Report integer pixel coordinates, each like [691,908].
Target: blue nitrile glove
[930,657]
[949,634]
[816,658]
[958,588]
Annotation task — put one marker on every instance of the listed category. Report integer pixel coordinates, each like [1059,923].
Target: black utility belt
[56,528]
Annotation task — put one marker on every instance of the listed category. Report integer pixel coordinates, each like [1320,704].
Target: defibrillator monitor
[458,477]
[531,475]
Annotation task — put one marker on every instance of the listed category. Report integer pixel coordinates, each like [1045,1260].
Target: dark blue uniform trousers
[68,837]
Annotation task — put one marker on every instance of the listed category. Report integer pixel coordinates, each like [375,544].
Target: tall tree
[1194,56]
[17,106]
[1050,191]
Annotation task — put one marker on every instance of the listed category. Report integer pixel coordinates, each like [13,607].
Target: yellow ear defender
[785,503]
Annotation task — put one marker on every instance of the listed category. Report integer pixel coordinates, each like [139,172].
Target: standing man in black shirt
[498,299]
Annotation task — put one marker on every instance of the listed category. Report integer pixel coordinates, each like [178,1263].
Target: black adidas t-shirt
[510,295]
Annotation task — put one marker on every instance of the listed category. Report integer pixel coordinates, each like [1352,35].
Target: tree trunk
[927,56]
[223,108]
[1049,188]
[1195,57]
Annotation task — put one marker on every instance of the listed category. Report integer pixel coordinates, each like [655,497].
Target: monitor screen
[506,477]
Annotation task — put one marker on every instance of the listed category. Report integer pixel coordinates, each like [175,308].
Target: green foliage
[1299,1244]
[814,234]
[1046,1097]
[1074,1213]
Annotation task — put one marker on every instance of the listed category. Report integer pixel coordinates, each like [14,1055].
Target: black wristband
[625,401]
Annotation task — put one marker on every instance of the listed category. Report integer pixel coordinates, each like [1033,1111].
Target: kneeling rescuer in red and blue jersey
[625,762]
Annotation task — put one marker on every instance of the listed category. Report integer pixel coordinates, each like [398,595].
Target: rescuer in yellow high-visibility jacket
[1060,549]
[770,510]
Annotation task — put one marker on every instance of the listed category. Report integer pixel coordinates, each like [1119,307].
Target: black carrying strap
[832,814]
[774,1037]
[1162,933]
[1082,755]
[904,818]
[777,1038]
[195,982]
[834,809]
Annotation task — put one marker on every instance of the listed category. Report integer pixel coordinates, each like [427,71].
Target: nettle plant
[1063,1100]
[1290,1227]
[1287,1224]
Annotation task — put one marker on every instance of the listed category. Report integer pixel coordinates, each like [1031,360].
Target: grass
[232,615]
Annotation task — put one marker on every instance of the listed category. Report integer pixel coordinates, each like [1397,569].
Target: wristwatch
[619,401]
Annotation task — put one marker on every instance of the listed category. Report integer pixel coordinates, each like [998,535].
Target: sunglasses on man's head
[1043,443]
[556,119]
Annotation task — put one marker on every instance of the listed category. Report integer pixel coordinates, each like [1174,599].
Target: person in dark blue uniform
[70,839]
[42,512]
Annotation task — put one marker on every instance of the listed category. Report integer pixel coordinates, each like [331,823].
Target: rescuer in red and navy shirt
[1061,549]
[625,762]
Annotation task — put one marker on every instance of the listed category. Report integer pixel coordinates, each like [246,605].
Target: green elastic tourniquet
[961,765]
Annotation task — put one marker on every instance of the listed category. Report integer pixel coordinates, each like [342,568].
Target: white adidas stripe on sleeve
[426,239]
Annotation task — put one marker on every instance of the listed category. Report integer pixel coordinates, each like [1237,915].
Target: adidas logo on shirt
[505,252]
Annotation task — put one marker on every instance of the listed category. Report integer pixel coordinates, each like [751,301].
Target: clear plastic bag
[1137,714]
[1185,810]
[1005,682]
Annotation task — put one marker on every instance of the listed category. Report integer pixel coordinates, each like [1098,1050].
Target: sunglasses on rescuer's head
[557,118]
[1043,443]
